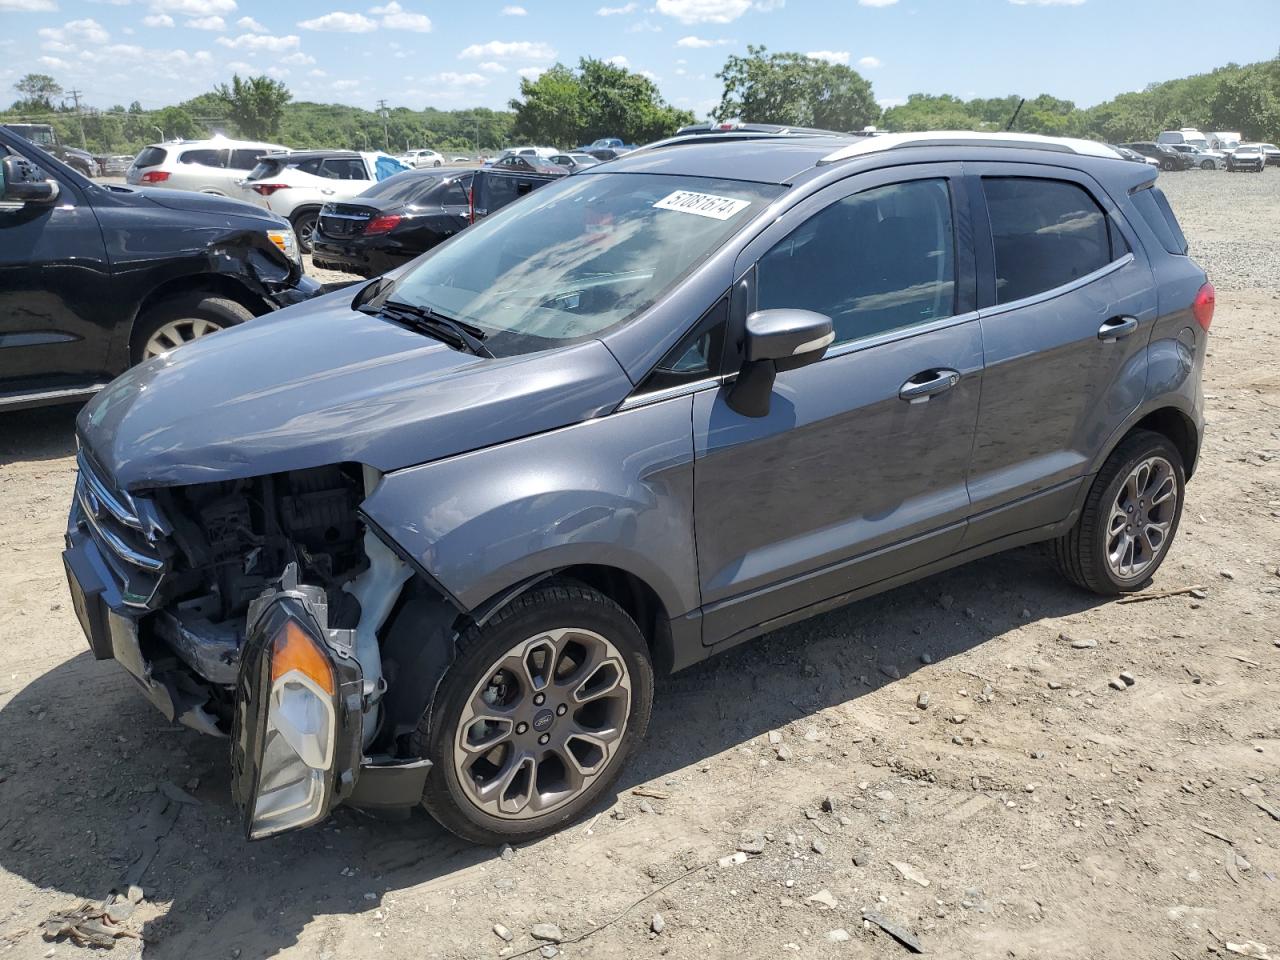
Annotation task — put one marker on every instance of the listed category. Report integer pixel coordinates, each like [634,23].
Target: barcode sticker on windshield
[702,204]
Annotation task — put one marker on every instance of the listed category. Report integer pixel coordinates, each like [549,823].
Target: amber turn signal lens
[295,650]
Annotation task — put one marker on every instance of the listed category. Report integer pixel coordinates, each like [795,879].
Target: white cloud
[508,50]
[869,63]
[28,6]
[298,59]
[194,8]
[157,20]
[345,84]
[82,31]
[492,67]
[251,25]
[207,23]
[317,72]
[649,75]
[240,66]
[876,3]
[340,22]
[514,11]
[260,42]
[1046,3]
[618,60]
[531,73]
[617,11]
[703,11]
[699,43]
[451,79]
[887,102]
[396,17]
[831,56]
[53,62]
[644,26]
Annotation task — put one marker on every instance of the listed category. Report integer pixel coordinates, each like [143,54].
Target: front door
[56,311]
[858,471]
[1067,307]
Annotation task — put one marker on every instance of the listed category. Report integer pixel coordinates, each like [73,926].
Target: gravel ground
[1030,811]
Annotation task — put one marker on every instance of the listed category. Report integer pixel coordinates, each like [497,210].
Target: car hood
[320,384]
[190,201]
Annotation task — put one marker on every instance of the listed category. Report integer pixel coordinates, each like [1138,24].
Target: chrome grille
[127,532]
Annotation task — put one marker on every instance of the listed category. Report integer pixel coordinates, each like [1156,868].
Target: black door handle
[1117,328]
[928,383]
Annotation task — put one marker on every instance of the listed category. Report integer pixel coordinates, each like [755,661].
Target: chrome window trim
[669,393]
[900,333]
[1054,292]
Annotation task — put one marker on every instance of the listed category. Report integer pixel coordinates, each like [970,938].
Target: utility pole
[75,95]
[386,136]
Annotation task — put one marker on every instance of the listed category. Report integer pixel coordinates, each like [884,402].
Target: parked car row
[1189,155]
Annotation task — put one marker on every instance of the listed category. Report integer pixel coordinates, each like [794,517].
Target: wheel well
[213,283]
[1178,428]
[629,592]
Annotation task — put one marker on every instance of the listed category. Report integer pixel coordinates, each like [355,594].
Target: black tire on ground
[304,225]
[1081,553]
[1207,165]
[547,606]
[208,307]
[1167,164]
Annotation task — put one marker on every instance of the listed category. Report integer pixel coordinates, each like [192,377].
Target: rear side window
[346,168]
[454,193]
[244,159]
[879,260]
[1155,209]
[501,191]
[208,158]
[150,157]
[267,168]
[1046,233]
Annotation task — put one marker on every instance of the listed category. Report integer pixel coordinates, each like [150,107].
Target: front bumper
[304,289]
[129,636]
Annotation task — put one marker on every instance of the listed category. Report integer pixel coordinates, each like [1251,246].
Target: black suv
[1169,158]
[46,138]
[98,277]
[408,214]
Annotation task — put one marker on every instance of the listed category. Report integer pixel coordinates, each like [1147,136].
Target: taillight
[383,224]
[154,176]
[471,204]
[1203,306]
[267,189]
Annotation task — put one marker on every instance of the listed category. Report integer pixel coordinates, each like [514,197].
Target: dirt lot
[1031,811]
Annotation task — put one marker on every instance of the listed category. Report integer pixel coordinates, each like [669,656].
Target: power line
[75,95]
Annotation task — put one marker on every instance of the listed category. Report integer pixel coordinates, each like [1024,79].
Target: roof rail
[735,135]
[965,138]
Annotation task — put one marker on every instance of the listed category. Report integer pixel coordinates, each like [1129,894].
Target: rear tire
[1126,506]
[304,228]
[1207,165]
[511,779]
[172,323]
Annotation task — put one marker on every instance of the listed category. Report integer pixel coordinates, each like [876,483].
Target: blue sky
[448,54]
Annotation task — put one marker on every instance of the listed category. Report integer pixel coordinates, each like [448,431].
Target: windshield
[580,256]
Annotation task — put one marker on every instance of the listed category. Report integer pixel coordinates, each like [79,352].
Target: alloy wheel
[545,720]
[177,332]
[1142,518]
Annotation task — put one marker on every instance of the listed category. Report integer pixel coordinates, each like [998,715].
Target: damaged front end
[253,608]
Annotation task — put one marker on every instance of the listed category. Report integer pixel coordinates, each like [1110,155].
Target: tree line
[566,106]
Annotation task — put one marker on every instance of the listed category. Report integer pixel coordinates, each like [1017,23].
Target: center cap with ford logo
[543,720]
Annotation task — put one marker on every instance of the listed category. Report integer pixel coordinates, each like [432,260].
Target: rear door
[1067,302]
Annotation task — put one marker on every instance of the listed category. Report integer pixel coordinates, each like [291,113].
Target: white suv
[421,158]
[205,166]
[297,185]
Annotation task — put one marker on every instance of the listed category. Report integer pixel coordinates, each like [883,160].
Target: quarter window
[879,260]
[207,158]
[1046,233]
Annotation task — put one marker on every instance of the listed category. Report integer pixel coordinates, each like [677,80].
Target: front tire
[537,715]
[1129,520]
[1207,165]
[172,323]
[304,228]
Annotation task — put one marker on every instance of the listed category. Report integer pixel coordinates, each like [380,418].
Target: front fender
[616,491]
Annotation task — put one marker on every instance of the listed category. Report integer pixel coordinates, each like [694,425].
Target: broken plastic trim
[296,731]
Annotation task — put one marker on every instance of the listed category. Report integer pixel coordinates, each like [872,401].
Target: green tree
[255,105]
[38,91]
[795,89]
[551,108]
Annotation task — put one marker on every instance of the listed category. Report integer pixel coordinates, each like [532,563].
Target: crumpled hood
[320,384]
[192,202]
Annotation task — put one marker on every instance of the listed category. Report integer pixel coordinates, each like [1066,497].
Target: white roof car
[421,158]
[206,166]
[297,185]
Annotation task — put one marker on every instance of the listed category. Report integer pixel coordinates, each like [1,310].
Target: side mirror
[777,340]
[22,183]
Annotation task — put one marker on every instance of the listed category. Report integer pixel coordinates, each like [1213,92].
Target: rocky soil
[988,763]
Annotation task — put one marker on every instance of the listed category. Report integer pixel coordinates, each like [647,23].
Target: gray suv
[429,540]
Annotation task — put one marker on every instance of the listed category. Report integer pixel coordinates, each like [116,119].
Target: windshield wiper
[456,333]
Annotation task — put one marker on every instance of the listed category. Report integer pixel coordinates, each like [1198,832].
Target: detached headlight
[294,740]
[286,241]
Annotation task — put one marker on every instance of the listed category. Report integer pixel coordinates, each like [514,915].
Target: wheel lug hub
[544,739]
[521,727]
[561,710]
[539,699]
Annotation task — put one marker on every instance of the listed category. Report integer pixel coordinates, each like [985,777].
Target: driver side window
[879,260]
